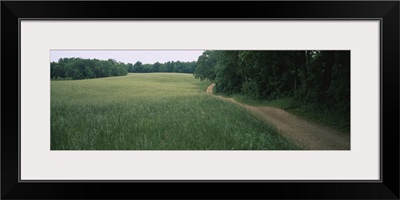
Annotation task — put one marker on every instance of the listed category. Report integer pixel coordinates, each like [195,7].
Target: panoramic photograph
[200,100]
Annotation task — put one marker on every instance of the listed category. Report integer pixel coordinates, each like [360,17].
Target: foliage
[320,78]
[170,66]
[206,65]
[78,68]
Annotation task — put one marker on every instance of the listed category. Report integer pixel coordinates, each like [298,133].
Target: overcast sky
[129,56]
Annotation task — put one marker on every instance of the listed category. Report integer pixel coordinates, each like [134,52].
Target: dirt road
[305,134]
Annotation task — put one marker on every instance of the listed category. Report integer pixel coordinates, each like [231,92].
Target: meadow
[153,111]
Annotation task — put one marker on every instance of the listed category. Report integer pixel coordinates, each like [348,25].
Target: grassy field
[152,111]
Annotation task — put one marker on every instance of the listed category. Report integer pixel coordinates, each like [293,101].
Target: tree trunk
[329,61]
[303,61]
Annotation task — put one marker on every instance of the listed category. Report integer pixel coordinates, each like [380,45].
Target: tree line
[78,68]
[170,66]
[321,77]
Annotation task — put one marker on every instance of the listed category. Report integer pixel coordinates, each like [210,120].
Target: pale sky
[130,56]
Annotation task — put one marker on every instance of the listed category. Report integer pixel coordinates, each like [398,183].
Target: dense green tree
[129,67]
[156,67]
[321,77]
[170,66]
[78,68]
[206,65]
[137,67]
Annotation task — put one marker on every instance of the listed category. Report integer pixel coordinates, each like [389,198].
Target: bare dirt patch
[306,134]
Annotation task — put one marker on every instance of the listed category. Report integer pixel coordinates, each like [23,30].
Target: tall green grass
[153,111]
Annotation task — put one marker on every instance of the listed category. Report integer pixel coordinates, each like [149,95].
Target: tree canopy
[321,77]
[170,66]
[78,68]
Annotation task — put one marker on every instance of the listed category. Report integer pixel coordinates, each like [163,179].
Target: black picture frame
[386,11]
